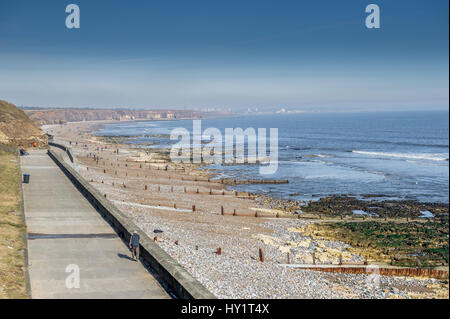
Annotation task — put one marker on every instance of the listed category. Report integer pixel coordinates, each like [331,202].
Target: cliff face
[17,129]
[60,116]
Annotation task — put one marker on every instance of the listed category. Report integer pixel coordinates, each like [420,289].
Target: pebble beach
[220,241]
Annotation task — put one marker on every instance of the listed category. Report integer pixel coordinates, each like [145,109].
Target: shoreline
[144,192]
[287,196]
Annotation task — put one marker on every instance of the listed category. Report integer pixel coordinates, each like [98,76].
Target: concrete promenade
[64,229]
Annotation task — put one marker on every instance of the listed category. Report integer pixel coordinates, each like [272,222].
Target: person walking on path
[134,245]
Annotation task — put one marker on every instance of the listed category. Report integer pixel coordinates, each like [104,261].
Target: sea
[387,155]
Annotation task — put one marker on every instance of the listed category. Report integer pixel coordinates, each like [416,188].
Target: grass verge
[12,228]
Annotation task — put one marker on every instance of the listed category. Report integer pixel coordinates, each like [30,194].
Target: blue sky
[231,54]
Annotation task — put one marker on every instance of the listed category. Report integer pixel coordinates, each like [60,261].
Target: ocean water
[400,155]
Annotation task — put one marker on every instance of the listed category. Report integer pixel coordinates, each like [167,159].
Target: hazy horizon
[297,55]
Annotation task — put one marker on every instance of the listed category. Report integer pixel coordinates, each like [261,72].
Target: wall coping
[64,148]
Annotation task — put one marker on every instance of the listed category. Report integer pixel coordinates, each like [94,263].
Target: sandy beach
[217,234]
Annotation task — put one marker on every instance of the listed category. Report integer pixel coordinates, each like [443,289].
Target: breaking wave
[429,157]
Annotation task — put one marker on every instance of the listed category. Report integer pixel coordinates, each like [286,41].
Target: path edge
[26,264]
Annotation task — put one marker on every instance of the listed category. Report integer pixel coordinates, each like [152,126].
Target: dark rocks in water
[232,181]
[343,205]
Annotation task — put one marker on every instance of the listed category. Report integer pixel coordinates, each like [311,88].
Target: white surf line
[152,206]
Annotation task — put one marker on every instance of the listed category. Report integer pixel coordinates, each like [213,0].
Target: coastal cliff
[17,129]
[60,116]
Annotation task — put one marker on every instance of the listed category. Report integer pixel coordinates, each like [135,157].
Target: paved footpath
[64,230]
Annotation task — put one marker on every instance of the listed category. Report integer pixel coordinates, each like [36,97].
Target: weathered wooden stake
[261,255]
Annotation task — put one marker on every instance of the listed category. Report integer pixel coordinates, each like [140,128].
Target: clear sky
[231,54]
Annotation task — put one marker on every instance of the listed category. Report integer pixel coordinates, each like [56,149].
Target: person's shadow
[124,256]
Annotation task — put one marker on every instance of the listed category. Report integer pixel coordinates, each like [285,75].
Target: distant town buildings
[57,116]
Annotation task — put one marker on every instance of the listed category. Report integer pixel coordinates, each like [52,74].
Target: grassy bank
[12,277]
[413,244]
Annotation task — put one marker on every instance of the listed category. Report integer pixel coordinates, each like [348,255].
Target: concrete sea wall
[171,274]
